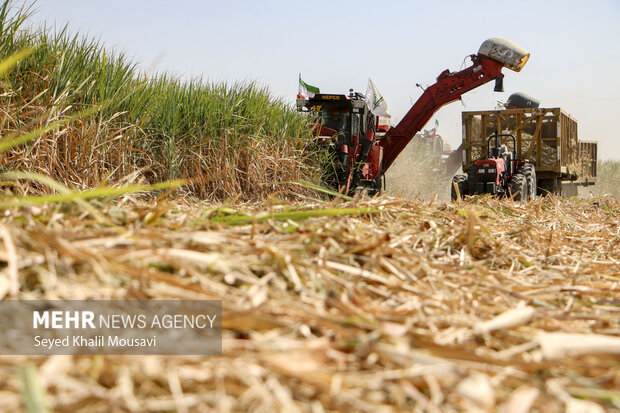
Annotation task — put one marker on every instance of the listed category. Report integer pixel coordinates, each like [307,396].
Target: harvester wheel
[518,187]
[377,187]
[529,171]
[461,183]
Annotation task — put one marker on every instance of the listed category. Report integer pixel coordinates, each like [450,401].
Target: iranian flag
[306,91]
[434,131]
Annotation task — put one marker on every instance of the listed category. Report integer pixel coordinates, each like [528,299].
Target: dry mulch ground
[483,305]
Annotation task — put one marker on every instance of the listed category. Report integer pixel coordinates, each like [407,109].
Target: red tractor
[501,174]
[361,155]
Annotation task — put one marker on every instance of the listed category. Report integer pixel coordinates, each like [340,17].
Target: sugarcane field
[282,207]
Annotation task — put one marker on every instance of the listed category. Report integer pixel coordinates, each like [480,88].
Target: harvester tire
[529,171]
[377,187]
[461,183]
[518,187]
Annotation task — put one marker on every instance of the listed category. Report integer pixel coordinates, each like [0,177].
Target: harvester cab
[347,127]
[336,115]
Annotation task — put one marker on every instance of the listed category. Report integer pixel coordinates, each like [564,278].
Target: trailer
[545,137]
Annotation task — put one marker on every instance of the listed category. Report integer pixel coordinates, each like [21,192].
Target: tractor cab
[493,174]
[500,152]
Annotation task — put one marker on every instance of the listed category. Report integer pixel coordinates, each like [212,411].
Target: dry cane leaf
[508,319]
[557,345]
[520,401]
[573,405]
[479,389]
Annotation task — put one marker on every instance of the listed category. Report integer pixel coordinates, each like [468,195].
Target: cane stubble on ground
[485,304]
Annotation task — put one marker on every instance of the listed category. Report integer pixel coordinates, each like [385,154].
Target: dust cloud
[418,174]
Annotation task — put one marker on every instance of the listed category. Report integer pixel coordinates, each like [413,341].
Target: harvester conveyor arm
[450,87]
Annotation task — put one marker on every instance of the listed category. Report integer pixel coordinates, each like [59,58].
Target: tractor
[500,174]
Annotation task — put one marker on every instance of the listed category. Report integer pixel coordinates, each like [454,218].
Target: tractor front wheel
[518,187]
[460,181]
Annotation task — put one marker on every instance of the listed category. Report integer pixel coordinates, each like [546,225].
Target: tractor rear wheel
[518,187]
[529,171]
[461,183]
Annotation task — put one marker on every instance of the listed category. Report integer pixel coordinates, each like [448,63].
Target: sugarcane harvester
[362,153]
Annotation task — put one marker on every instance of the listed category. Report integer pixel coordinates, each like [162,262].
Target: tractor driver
[503,150]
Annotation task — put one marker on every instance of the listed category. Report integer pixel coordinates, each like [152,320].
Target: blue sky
[338,45]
